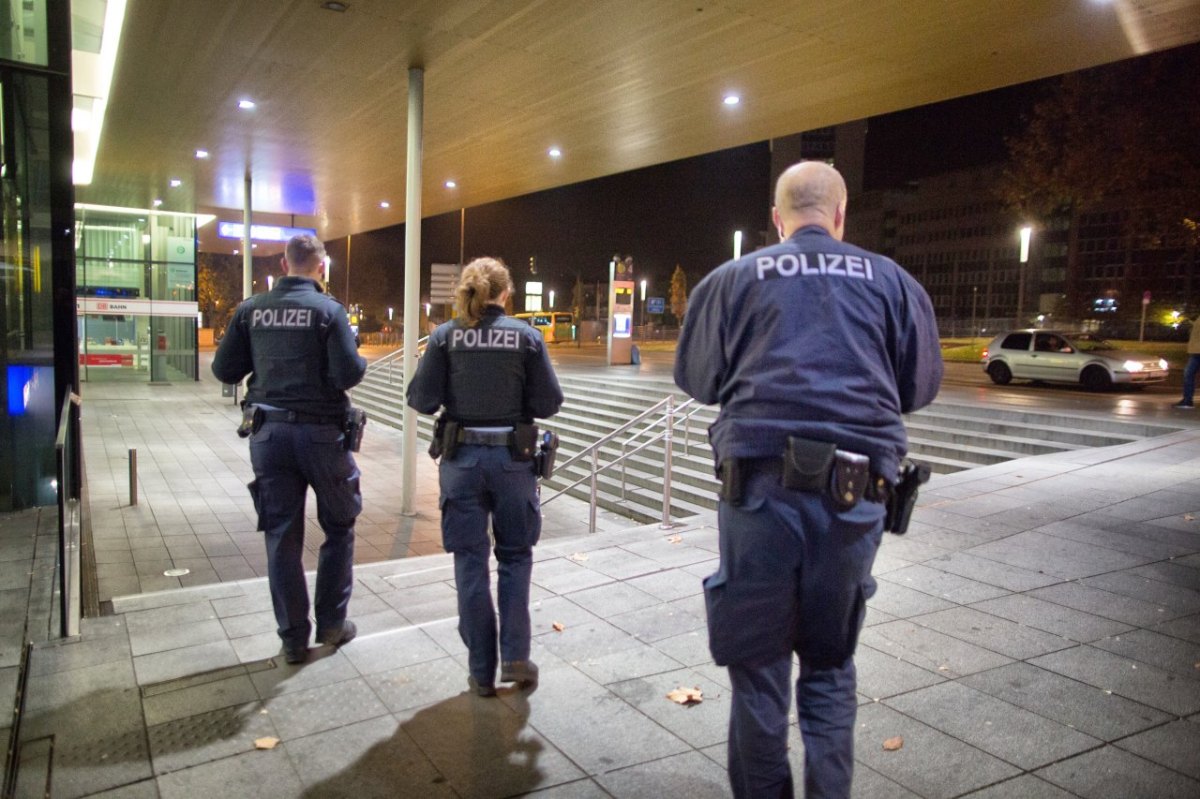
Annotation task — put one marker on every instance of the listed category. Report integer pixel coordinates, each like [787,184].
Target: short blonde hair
[482,282]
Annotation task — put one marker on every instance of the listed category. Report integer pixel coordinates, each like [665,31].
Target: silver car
[1055,357]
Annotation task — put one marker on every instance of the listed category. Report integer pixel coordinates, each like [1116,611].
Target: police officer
[295,343]
[808,346]
[493,377]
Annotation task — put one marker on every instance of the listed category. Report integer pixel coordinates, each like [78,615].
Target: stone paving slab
[1018,648]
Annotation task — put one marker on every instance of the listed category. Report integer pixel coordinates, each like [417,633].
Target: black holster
[252,420]
[523,443]
[903,496]
[353,425]
[543,461]
[445,439]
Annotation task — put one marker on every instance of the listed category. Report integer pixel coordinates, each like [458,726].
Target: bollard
[132,476]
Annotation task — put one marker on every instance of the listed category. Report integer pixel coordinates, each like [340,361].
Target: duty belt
[298,417]
[485,438]
[877,489]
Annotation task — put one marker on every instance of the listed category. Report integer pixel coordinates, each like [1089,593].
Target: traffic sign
[655,305]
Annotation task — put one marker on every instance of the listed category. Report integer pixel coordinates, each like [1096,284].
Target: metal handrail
[687,434]
[669,420]
[66,448]
[390,359]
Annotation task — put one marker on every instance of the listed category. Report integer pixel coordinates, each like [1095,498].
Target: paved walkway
[193,511]
[1036,634]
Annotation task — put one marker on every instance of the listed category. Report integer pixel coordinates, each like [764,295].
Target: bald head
[810,193]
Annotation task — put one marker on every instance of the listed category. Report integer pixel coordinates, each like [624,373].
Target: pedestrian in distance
[296,345]
[1192,367]
[490,375]
[813,348]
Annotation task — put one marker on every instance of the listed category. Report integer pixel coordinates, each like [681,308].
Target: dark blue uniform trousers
[795,575]
[483,481]
[287,458]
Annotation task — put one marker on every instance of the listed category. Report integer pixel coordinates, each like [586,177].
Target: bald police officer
[813,348]
[296,344]
[492,376]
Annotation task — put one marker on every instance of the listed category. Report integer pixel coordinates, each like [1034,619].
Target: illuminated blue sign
[233,230]
[20,380]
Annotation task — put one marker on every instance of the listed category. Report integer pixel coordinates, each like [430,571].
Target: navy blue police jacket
[496,373]
[296,344]
[815,338]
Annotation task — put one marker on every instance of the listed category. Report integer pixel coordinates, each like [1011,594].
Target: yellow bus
[555,326]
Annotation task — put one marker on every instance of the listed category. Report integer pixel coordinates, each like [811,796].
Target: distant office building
[961,242]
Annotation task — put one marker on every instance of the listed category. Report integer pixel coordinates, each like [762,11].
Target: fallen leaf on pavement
[686,696]
[558,626]
[675,539]
[892,744]
[270,742]
[579,557]
[1189,517]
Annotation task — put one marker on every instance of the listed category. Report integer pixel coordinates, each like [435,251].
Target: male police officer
[813,348]
[295,343]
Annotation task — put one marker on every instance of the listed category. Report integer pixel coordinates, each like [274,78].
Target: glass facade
[35,203]
[136,294]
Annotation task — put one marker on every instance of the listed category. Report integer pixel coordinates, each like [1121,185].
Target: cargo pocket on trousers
[747,621]
[831,651]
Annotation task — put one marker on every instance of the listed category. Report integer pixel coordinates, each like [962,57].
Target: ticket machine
[620,311]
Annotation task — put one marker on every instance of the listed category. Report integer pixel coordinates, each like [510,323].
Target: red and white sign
[134,307]
[104,359]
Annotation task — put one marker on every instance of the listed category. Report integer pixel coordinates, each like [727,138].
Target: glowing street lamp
[1026,234]
[737,244]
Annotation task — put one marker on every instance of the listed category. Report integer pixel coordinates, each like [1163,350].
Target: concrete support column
[247,248]
[412,283]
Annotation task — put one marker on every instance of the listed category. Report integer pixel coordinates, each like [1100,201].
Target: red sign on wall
[105,359]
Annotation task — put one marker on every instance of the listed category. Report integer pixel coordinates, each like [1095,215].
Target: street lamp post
[737,244]
[974,328]
[643,308]
[1026,233]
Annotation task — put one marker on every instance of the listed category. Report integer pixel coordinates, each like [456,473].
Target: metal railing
[388,362]
[664,413]
[66,449]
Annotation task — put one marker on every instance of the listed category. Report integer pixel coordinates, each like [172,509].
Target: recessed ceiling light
[246,104]
[450,184]
[732,99]
[157,202]
[236,252]
[385,204]
[202,153]
[176,183]
[555,152]
[333,5]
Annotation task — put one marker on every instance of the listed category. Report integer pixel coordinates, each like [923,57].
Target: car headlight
[1162,363]
[1133,366]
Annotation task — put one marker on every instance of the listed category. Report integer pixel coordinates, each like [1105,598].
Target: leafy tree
[1126,133]
[1124,137]
[577,299]
[218,288]
[679,293]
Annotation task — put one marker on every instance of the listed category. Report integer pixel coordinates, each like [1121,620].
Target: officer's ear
[777,222]
[283,264]
[839,221]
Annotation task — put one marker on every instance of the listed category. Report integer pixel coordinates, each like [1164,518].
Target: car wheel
[1095,378]
[1000,373]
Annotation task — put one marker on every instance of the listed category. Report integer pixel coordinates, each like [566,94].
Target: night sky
[684,212]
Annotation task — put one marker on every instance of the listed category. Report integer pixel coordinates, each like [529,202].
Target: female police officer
[493,377]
